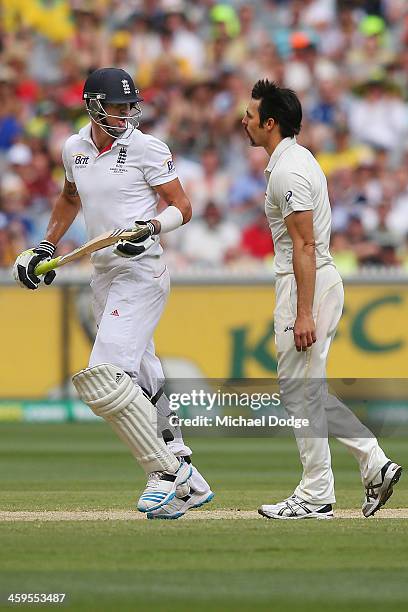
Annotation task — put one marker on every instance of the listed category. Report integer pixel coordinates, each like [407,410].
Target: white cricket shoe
[161,487]
[294,508]
[179,505]
[380,489]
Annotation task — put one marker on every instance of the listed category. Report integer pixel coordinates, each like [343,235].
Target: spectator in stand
[214,184]
[229,103]
[27,89]
[68,93]
[186,45]
[328,107]
[372,51]
[10,126]
[247,194]
[366,251]
[19,158]
[145,45]
[191,118]
[90,41]
[379,116]
[344,153]
[211,240]
[13,203]
[40,183]
[298,71]
[389,256]
[338,37]
[343,256]
[257,239]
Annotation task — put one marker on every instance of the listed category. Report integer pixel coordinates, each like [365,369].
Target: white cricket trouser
[305,393]
[128,301]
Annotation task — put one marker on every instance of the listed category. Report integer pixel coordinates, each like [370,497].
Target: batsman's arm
[300,229]
[177,213]
[33,262]
[64,211]
[179,209]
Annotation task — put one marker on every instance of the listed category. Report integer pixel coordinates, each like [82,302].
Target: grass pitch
[221,565]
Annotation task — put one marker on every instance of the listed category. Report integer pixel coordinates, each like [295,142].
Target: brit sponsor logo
[80,159]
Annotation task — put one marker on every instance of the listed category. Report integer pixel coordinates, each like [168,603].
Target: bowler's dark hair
[280,104]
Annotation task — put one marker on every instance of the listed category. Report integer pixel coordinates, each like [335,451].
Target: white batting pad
[111,394]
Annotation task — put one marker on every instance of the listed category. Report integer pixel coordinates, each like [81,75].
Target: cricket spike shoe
[161,488]
[294,508]
[380,489]
[178,506]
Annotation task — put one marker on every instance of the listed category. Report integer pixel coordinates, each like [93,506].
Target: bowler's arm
[300,229]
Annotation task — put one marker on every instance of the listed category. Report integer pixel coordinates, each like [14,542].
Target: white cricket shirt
[116,185]
[296,182]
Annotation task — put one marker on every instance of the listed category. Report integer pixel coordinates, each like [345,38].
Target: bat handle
[45,266]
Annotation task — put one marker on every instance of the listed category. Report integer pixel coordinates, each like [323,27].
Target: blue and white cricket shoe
[161,488]
[178,506]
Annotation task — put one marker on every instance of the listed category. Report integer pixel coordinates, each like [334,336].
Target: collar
[280,149]
[85,134]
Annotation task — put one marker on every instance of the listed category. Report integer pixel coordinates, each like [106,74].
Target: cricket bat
[100,242]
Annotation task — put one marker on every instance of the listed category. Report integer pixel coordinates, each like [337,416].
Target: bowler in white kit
[309,303]
[117,174]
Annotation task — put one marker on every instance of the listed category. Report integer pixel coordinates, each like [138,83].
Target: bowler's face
[250,121]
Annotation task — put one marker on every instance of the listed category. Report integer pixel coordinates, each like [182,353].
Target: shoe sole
[173,517]
[312,515]
[386,494]
[171,496]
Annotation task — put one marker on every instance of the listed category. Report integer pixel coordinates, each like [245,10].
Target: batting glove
[26,262]
[134,249]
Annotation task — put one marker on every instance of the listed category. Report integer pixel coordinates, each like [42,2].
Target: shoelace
[294,503]
[370,491]
[291,503]
[153,480]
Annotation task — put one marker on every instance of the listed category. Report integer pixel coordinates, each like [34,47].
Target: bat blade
[100,242]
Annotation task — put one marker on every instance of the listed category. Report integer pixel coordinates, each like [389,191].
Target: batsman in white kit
[118,173]
[309,303]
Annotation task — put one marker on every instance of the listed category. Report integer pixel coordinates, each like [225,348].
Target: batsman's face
[251,123]
[119,111]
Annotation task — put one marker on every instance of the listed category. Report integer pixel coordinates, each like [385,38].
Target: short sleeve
[293,192]
[158,165]
[67,161]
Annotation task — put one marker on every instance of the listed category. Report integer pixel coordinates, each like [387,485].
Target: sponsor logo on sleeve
[288,196]
[80,159]
[170,166]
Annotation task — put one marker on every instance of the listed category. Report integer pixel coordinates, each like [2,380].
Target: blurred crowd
[195,64]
